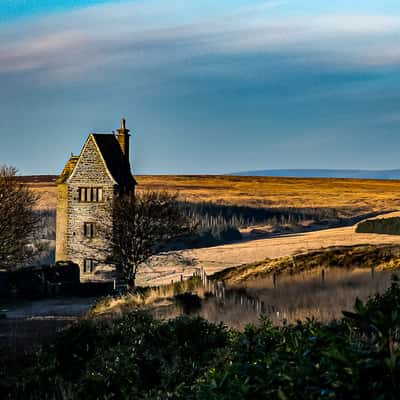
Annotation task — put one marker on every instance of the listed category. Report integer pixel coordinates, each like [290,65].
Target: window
[90,195]
[89,229]
[88,266]
[82,194]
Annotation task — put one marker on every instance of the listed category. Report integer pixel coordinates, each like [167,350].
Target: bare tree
[18,220]
[142,225]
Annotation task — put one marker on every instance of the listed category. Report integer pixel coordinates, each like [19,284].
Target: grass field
[356,195]
[281,192]
[378,257]
[217,258]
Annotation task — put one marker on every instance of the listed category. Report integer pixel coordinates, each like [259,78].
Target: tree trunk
[131,283]
[130,276]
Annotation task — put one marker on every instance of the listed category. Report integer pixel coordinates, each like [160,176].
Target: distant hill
[324,173]
[286,173]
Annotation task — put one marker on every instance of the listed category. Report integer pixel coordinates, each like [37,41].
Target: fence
[219,291]
[243,299]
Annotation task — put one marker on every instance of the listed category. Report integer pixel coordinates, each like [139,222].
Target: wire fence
[247,301]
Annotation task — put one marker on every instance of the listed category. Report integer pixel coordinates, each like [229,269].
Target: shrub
[388,226]
[136,356]
[357,358]
[188,302]
[128,357]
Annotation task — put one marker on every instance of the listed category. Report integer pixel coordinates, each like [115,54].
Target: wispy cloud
[78,42]
[255,78]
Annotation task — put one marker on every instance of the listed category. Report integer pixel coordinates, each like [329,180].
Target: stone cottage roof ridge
[115,161]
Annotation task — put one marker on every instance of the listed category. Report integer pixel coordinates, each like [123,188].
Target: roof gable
[91,166]
[101,159]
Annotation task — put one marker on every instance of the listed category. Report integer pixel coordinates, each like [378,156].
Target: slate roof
[115,160]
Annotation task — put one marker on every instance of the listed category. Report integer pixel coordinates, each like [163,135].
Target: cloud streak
[255,79]
[112,36]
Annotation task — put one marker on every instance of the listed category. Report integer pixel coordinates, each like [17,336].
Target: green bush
[356,358]
[388,226]
[136,356]
[130,357]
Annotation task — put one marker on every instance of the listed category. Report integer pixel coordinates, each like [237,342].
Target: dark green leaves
[136,356]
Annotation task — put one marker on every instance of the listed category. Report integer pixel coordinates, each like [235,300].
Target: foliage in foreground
[137,356]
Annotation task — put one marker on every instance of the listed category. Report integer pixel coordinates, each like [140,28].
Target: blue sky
[205,86]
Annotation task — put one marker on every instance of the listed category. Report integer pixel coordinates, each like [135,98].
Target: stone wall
[90,171]
[61,222]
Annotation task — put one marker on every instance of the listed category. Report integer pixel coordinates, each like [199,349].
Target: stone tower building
[85,189]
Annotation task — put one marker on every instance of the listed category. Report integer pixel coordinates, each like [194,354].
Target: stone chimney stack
[123,139]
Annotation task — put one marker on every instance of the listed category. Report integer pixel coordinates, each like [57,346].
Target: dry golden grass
[298,297]
[153,297]
[381,257]
[214,259]
[357,195]
[280,192]
[376,195]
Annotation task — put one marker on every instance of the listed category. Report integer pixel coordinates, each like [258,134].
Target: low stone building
[85,190]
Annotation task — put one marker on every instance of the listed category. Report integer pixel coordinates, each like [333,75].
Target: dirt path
[25,324]
[55,307]
[213,259]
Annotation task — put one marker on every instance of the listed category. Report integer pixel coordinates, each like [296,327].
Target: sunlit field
[281,192]
[295,297]
[358,195]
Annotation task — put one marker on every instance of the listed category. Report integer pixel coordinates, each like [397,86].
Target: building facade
[85,192]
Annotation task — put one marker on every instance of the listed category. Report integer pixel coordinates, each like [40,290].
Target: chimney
[123,139]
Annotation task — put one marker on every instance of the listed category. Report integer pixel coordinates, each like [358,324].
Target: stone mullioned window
[90,194]
[89,265]
[89,229]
